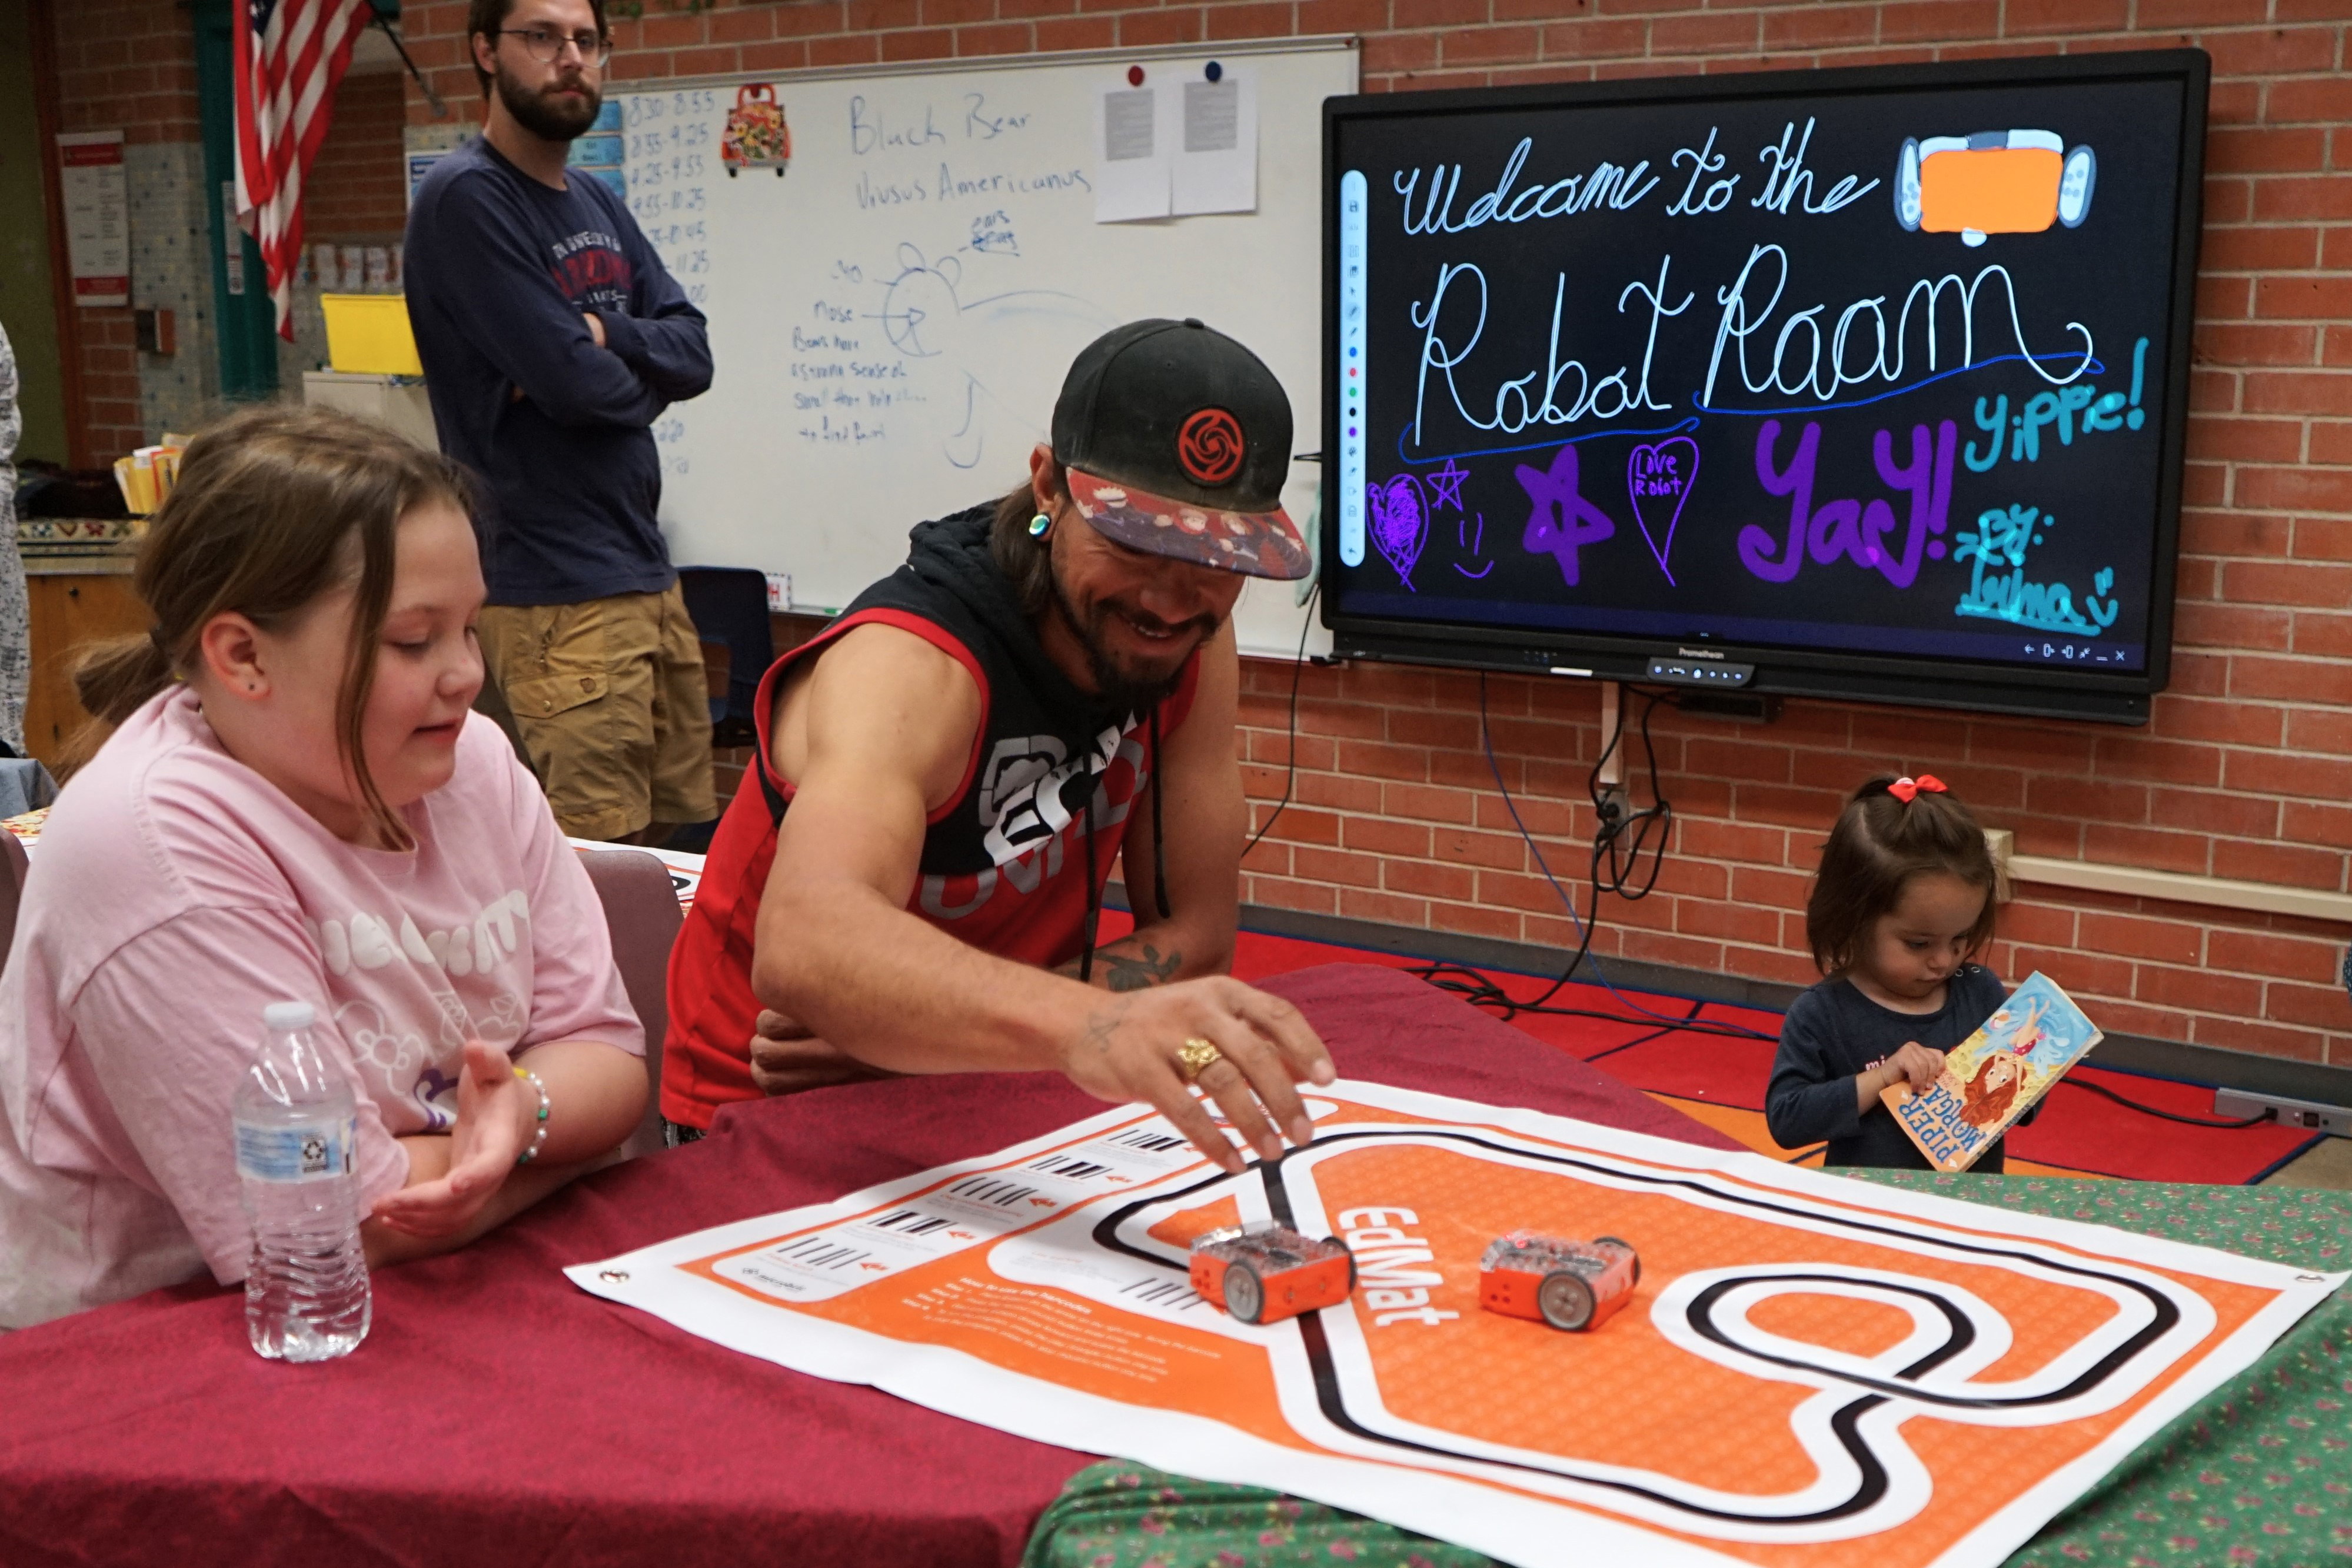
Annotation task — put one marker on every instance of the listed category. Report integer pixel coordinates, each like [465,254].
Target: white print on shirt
[367,941]
[1021,797]
[389,1050]
[1022,810]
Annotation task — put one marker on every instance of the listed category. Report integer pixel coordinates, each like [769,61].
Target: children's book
[1996,1075]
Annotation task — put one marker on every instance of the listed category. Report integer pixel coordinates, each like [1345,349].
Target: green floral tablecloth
[2258,1473]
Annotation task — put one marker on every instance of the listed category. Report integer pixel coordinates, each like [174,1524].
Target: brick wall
[127,66]
[2246,771]
[358,188]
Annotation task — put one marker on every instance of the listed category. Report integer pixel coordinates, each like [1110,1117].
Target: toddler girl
[1903,901]
[296,804]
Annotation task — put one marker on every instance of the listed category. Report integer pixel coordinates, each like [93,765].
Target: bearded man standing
[552,338]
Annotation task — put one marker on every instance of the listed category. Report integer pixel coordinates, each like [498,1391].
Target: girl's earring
[1039,525]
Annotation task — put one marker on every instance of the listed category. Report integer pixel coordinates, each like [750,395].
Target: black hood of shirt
[951,554]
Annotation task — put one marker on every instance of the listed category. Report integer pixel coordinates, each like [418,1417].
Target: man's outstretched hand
[1126,1051]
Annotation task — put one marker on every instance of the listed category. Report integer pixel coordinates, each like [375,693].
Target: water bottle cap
[290,1015]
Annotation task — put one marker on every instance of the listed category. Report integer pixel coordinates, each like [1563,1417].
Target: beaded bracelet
[539,1138]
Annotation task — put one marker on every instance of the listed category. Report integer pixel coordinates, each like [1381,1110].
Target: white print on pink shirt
[423,1072]
[367,942]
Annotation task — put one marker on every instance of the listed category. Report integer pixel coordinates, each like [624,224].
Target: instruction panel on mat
[1812,1370]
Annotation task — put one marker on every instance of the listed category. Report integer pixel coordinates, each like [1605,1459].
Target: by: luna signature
[1999,539]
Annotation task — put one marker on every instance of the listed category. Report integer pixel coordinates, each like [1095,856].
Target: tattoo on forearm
[1134,971]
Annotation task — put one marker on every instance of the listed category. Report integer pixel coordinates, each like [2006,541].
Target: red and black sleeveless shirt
[1004,861]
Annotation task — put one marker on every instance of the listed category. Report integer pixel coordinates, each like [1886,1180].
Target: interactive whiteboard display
[1858,383]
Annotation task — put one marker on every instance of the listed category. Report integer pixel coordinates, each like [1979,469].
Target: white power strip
[2334,1119]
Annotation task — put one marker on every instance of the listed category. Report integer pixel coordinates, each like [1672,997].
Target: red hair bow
[1904,789]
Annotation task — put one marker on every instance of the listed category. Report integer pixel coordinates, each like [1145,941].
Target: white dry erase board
[893,313]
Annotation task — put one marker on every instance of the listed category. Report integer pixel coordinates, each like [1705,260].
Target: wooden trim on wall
[42,24]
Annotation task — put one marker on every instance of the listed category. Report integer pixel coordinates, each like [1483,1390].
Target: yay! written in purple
[1853,530]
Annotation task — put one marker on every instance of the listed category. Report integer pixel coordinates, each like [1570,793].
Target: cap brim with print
[1258,544]
[1176,440]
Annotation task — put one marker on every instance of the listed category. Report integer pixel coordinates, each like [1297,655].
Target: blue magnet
[1215,72]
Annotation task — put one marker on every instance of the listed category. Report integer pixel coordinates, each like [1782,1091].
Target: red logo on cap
[1211,446]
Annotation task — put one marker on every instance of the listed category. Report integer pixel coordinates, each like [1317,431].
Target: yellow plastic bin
[368,335]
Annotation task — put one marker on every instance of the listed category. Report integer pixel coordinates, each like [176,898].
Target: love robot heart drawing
[1658,477]
[1400,523]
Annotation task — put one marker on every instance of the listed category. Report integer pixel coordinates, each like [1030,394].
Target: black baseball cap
[1176,441]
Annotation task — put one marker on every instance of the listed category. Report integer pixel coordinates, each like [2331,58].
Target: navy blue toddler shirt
[1831,1033]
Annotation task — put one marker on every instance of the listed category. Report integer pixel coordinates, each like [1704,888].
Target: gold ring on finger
[1196,1055]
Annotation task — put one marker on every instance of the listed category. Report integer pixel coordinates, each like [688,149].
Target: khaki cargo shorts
[610,700]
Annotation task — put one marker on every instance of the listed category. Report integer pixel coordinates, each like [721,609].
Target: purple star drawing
[1445,486]
[1562,520]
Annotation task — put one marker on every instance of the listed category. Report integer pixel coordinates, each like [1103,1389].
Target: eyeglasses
[546,45]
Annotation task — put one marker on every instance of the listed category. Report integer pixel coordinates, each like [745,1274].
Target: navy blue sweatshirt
[500,270]
[1834,1032]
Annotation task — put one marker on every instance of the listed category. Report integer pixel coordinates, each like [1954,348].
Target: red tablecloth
[498,1416]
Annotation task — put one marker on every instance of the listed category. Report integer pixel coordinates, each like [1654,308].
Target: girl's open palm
[494,1106]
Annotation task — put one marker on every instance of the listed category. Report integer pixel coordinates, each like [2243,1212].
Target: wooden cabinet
[69,609]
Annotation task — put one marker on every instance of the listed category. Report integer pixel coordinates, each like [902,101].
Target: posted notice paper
[1215,165]
[1132,153]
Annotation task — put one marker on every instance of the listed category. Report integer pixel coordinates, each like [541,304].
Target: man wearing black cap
[910,880]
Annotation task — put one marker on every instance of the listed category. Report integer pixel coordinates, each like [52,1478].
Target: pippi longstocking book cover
[1995,1075]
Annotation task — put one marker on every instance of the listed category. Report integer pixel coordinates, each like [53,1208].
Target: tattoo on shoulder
[1134,971]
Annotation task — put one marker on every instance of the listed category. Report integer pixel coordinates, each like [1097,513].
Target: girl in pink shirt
[296,804]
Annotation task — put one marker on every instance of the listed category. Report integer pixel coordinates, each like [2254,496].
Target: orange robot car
[1567,1284]
[1262,1272]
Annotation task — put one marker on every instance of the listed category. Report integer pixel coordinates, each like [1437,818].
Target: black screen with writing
[1857,366]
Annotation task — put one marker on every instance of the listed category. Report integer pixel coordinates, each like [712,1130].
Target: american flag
[289,56]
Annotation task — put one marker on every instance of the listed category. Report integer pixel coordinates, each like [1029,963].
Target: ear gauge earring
[1039,525]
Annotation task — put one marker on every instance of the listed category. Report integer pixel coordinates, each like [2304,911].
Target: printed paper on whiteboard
[1216,159]
[1131,152]
[1812,1371]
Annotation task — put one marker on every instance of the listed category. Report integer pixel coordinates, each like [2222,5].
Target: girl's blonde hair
[275,505]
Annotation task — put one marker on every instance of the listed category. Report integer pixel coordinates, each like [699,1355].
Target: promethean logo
[1698,654]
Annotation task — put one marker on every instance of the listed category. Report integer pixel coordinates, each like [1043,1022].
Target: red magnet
[1135,75]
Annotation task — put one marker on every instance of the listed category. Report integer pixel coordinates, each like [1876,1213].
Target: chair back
[642,914]
[728,606]
[13,865]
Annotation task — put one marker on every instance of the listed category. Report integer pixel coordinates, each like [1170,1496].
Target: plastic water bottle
[305,1288]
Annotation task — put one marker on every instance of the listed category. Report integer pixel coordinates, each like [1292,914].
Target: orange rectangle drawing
[1796,1368]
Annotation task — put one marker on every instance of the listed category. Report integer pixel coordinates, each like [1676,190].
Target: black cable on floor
[1480,990]
[2218,1125]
